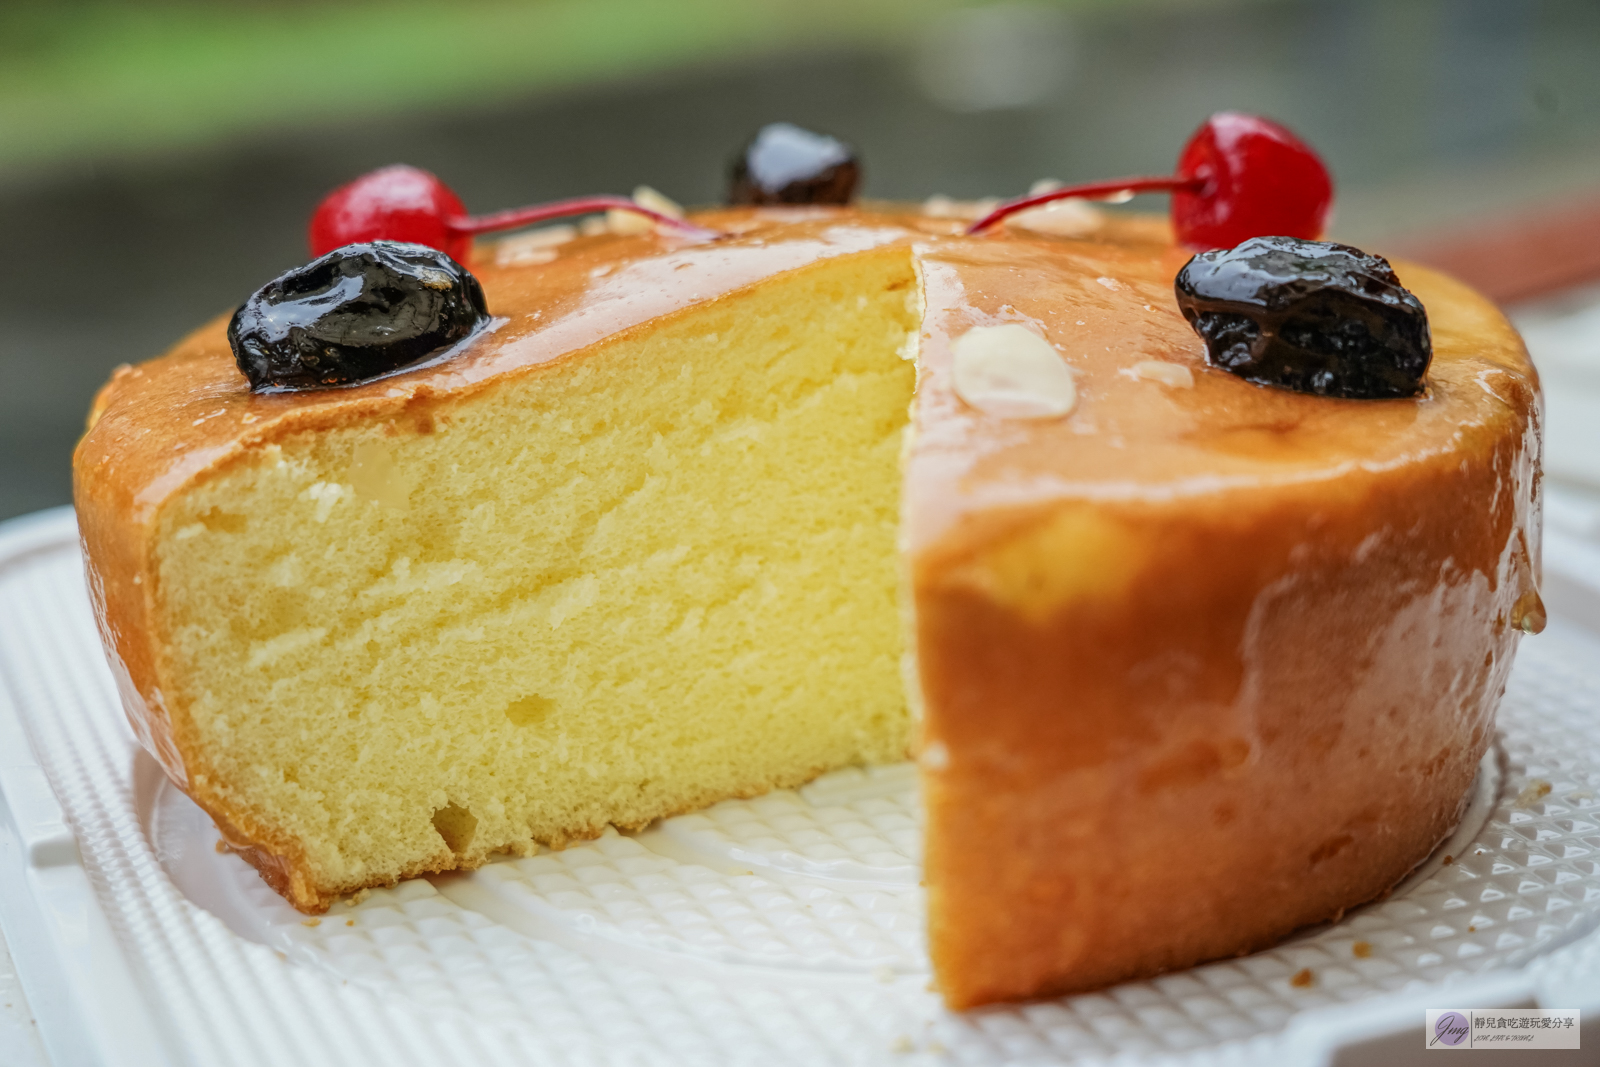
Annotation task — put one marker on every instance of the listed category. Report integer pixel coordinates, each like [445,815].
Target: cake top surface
[1151,420]
[1140,432]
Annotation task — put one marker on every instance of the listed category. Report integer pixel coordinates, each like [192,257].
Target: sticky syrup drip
[1528,614]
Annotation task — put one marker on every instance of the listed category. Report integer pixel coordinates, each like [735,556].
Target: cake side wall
[114,532]
[1251,713]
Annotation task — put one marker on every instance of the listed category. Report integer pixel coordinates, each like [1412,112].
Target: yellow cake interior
[634,581]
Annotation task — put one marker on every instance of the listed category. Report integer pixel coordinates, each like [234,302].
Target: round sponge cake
[698,520]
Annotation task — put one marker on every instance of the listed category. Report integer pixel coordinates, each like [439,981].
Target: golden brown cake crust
[1200,665]
[1262,702]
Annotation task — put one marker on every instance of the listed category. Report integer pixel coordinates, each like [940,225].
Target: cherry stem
[1091,191]
[580,205]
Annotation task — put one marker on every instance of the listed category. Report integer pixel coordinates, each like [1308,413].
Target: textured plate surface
[784,929]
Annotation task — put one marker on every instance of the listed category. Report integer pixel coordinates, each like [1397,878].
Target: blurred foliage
[97,76]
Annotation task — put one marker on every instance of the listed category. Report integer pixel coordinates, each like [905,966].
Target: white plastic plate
[781,930]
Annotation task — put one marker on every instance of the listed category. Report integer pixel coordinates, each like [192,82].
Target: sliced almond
[629,222]
[1156,370]
[535,246]
[943,207]
[645,196]
[1012,372]
[1072,217]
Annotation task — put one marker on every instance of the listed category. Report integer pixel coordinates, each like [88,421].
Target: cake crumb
[902,1044]
[222,846]
[1536,791]
[1302,978]
[1448,860]
[349,922]
[311,922]
[1472,929]
[357,897]
[1362,950]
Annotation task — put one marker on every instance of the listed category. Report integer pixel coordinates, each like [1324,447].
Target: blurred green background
[158,160]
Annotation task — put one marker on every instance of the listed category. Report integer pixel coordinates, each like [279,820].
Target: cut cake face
[623,584]
[665,536]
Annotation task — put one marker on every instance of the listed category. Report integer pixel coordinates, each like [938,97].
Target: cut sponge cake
[1188,664]
[616,588]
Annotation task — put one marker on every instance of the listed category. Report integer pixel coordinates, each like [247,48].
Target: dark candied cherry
[402,203]
[1238,177]
[785,164]
[1311,316]
[357,313]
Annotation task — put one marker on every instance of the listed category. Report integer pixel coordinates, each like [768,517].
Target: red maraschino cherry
[402,203]
[1240,176]
[398,203]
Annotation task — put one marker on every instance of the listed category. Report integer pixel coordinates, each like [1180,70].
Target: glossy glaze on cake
[1202,665]
[1194,665]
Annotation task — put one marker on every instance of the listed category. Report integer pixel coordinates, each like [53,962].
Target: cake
[1186,662]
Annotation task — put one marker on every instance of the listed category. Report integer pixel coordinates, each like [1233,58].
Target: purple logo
[1451,1028]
